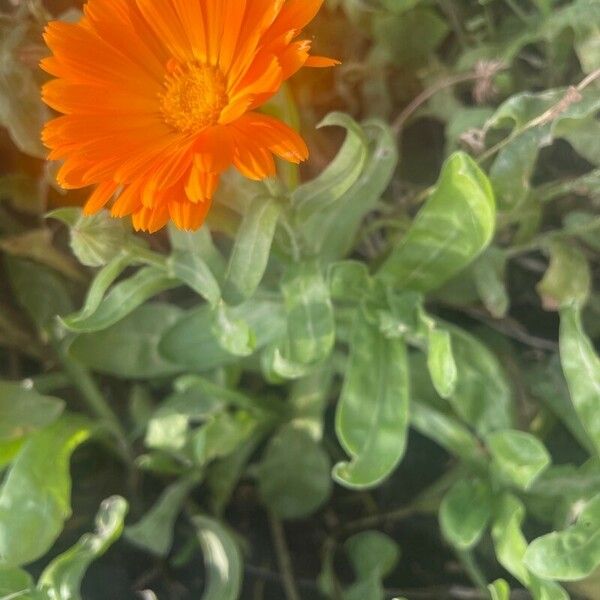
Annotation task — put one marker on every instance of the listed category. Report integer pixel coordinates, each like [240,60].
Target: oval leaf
[455,225]
[372,414]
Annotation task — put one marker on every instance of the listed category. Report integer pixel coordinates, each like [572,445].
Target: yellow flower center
[194,96]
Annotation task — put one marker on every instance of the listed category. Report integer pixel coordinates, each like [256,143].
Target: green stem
[46,383]
[82,380]
[472,569]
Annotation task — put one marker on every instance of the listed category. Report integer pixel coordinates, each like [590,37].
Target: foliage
[374,377]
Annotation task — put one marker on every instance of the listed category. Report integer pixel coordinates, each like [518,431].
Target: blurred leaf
[332,229]
[411,37]
[35,496]
[519,457]
[200,244]
[97,239]
[129,348]
[23,411]
[190,268]
[223,475]
[222,559]
[250,253]
[122,300]
[581,367]
[572,554]
[372,413]
[233,334]
[36,245]
[511,545]
[222,435]
[465,512]
[567,280]
[372,552]
[499,590]
[294,474]
[154,531]
[18,584]
[62,577]
[191,342]
[310,321]
[23,192]
[22,111]
[490,280]
[349,280]
[373,556]
[443,240]
[548,384]
[40,291]
[482,397]
[446,431]
[440,362]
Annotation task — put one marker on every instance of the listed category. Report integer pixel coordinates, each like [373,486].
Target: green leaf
[455,225]
[191,269]
[14,583]
[349,280]
[310,321]
[23,411]
[192,343]
[499,590]
[446,431]
[63,576]
[572,554]
[200,244]
[154,531]
[294,474]
[35,496]
[122,300]
[482,396]
[568,278]
[233,334]
[331,230]
[339,176]
[129,348]
[581,367]
[222,559]
[372,413]
[409,37]
[250,254]
[490,280]
[372,552]
[39,290]
[99,286]
[465,512]
[440,362]
[222,435]
[96,240]
[519,457]
[510,545]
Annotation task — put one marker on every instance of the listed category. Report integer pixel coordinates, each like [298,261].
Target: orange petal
[188,216]
[99,197]
[275,135]
[214,149]
[253,161]
[321,62]
[151,219]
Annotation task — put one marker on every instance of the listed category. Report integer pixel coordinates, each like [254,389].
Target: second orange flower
[159,97]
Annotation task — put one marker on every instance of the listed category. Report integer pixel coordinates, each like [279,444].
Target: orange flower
[159,98]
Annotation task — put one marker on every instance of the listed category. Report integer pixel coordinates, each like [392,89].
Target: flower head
[159,97]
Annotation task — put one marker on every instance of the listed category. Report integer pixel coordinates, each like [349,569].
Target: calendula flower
[159,97]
